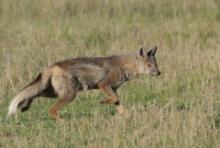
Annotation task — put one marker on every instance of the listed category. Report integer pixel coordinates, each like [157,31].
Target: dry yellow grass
[181,108]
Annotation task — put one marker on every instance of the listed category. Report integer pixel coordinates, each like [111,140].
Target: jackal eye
[149,65]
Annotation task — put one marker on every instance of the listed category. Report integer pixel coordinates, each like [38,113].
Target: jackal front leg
[112,97]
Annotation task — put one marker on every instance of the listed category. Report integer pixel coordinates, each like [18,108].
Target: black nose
[158,73]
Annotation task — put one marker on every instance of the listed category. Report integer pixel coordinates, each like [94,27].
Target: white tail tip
[12,108]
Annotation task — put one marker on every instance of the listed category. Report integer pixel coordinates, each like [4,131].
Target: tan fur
[66,78]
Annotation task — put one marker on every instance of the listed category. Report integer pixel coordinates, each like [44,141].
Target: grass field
[180,109]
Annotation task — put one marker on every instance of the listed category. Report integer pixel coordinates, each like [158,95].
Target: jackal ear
[152,52]
[141,52]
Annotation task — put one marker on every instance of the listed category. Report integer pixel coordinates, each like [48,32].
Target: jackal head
[148,62]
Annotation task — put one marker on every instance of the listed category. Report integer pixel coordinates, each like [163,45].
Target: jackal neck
[131,67]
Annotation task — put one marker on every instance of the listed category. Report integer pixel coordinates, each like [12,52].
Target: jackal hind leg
[53,112]
[66,91]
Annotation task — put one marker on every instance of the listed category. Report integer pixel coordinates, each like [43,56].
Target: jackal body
[64,79]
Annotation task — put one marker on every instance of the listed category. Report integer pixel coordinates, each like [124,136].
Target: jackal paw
[108,101]
[55,116]
[59,120]
[120,109]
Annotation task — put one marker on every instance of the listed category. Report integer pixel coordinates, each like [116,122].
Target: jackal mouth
[156,73]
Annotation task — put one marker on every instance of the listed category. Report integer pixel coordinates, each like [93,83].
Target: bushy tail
[25,97]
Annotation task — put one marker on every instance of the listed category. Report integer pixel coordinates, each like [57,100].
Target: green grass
[178,109]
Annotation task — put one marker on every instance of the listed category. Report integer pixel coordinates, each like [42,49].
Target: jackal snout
[155,73]
[149,62]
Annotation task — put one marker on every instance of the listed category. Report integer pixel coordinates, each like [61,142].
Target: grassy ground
[181,108]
